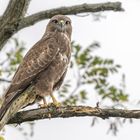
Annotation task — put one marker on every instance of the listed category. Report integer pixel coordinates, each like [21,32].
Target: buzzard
[43,68]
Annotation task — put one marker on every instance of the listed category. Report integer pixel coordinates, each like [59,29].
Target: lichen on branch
[72,111]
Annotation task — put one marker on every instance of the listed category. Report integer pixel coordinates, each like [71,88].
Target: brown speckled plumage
[43,67]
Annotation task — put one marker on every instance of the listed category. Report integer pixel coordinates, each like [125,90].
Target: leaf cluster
[13,58]
[93,73]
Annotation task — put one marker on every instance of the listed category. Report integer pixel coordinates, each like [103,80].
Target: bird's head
[60,23]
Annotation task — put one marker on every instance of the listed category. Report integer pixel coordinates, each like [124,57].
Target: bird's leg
[55,102]
[43,89]
[44,103]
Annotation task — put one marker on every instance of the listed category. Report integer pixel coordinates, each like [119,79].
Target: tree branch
[14,12]
[5,80]
[13,19]
[71,10]
[72,111]
[16,9]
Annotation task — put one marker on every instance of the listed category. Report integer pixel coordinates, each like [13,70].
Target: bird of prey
[43,68]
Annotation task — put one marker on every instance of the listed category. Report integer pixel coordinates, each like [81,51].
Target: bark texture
[72,111]
[14,18]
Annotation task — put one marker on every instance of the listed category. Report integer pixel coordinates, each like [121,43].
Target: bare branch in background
[72,111]
[71,10]
[5,80]
[14,18]
[14,12]
[16,9]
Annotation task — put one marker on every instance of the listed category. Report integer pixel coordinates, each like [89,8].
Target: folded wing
[38,58]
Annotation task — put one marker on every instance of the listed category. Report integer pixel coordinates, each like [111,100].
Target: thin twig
[4,80]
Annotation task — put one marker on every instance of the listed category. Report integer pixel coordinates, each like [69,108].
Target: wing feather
[38,58]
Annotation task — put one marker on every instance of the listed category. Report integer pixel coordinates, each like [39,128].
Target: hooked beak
[62,23]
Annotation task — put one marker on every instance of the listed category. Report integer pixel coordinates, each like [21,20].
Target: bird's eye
[67,22]
[54,21]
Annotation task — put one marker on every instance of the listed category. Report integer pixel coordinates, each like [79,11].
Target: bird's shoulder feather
[36,60]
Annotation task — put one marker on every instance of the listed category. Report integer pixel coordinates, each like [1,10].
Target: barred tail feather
[6,114]
[23,100]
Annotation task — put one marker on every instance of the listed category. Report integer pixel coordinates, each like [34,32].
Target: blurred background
[110,42]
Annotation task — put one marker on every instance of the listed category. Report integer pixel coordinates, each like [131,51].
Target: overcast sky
[119,36]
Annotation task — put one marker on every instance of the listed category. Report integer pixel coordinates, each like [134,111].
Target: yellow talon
[44,103]
[57,104]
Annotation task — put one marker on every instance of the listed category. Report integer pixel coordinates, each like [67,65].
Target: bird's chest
[58,67]
[60,64]
[64,45]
